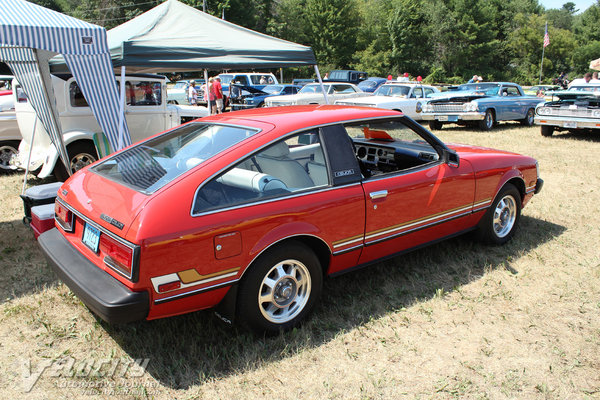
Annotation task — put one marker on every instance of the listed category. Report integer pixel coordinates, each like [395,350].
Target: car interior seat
[275,161]
[317,169]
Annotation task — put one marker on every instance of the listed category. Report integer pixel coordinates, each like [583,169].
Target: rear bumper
[104,295]
[538,185]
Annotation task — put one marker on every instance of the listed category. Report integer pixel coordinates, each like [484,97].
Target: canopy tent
[175,37]
[30,35]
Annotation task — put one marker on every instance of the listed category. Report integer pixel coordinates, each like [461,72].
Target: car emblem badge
[65,192]
[112,221]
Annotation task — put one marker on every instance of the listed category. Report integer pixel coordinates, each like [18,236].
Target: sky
[579,4]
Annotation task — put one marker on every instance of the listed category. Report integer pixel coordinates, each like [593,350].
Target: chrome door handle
[378,195]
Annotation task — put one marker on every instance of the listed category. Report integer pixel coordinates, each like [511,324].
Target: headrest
[319,158]
[280,149]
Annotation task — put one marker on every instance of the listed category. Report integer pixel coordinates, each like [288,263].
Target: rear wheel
[81,154]
[435,125]
[499,223]
[529,118]
[487,123]
[280,289]
[547,130]
[8,150]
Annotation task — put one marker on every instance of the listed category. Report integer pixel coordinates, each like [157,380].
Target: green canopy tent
[175,37]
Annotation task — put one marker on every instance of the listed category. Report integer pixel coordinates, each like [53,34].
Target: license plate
[441,117]
[91,237]
[570,125]
[452,118]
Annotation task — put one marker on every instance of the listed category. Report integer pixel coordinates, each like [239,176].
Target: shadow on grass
[591,135]
[500,127]
[190,349]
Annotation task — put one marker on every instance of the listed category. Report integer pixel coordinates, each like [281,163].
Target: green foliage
[442,40]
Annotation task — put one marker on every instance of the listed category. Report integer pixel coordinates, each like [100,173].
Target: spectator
[263,80]
[209,96]
[595,77]
[192,93]
[218,91]
[582,81]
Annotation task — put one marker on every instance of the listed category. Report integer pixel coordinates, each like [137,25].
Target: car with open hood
[242,97]
[482,104]
[251,210]
[400,96]
[575,109]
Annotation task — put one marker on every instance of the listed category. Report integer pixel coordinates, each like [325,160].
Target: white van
[146,112]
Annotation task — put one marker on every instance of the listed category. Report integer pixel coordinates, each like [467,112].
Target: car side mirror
[451,158]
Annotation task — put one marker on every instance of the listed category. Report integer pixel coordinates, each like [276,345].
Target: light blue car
[481,104]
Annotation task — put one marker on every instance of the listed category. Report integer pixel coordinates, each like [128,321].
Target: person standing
[218,91]
[192,93]
[209,96]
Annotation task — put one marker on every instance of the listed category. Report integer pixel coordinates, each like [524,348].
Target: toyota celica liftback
[250,210]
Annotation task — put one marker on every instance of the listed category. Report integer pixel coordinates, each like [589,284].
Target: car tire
[435,125]
[529,118]
[8,150]
[499,223]
[488,121]
[280,289]
[261,105]
[547,130]
[81,154]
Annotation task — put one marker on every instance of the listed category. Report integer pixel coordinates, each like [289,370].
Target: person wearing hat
[192,93]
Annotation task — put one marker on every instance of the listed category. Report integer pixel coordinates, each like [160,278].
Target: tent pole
[29,155]
[121,109]
[280,75]
[321,83]
[206,91]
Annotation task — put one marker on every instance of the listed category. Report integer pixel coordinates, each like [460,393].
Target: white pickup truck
[146,112]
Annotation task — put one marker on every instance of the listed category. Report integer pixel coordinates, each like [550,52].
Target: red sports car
[250,210]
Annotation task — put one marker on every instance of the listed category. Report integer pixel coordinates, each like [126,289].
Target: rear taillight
[116,255]
[63,217]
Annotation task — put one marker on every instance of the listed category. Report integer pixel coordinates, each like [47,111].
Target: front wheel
[8,150]
[529,118]
[280,289]
[487,123]
[499,223]
[547,130]
[81,154]
[435,125]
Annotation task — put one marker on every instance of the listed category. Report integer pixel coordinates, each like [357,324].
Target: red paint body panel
[421,205]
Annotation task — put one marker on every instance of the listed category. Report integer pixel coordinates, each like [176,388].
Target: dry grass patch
[455,320]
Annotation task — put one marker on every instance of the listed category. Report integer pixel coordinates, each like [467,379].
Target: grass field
[454,320]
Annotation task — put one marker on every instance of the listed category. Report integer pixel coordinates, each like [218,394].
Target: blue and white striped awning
[25,26]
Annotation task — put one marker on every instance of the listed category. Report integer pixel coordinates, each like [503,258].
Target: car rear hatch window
[152,164]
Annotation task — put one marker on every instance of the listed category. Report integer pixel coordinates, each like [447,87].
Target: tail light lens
[117,255]
[63,217]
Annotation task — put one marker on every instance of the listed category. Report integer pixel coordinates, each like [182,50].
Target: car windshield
[490,89]
[272,89]
[367,84]
[314,88]
[393,90]
[152,164]
[226,79]
[586,88]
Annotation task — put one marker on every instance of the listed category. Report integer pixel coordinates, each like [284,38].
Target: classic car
[146,112]
[251,79]
[248,211]
[178,93]
[9,129]
[572,110]
[312,94]
[534,90]
[481,104]
[371,84]
[403,97]
[248,97]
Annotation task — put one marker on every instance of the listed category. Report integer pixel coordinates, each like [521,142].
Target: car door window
[428,92]
[418,93]
[143,93]
[242,79]
[379,155]
[289,166]
[512,91]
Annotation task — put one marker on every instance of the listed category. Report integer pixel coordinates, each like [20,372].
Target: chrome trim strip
[134,248]
[194,292]
[530,189]
[402,227]
[415,229]
[266,201]
[349,249]
[335,246]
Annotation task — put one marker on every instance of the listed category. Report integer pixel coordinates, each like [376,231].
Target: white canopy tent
[30,35]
